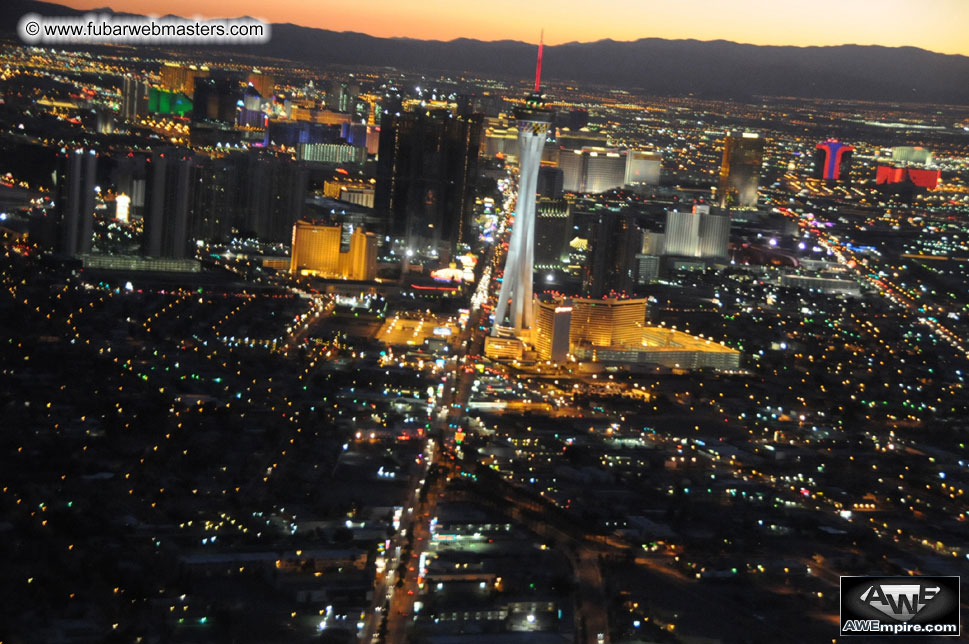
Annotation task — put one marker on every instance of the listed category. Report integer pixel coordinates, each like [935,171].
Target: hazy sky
[937,25]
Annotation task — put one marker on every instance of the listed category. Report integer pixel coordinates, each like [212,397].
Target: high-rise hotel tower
[514,310]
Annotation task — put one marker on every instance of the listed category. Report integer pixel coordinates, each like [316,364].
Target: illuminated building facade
[358,195]
[335,252]
[669,348]
[701,233]
[499,138]
[832,161]
[592,169]
[503,348]
[262,83]
[607,322]
[514,308]
[179,78]
[335,187]
[910,165]
[165,102]
[740,170]
[682,234]
[331,153]
[920,177]
[553,321]
[913,155]
[613,331]
[250,114]
[714,233]
[122,207]
[322,117]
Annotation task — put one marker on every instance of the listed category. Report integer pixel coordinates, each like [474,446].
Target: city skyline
[342,340]
[891,23]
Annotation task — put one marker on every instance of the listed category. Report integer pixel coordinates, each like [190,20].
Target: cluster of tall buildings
[908,167]
[577,161]
[614,250]
[344,97]
[596,170]
[233,107]
[183,197]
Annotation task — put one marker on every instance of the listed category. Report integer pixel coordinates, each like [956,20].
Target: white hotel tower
[514,312]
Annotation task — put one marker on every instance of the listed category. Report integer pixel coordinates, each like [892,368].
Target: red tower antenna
[538,66]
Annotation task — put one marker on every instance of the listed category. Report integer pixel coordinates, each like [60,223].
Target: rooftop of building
[657,338]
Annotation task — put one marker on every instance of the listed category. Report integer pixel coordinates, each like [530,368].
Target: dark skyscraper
[740,170]
[168,203]
[464,104]
[274,195]
[215,203]
[832,161]
[577,119]
[551,182]
[74,180]
[135,94]
[216,100]
[426,175]
[552,228]
[246,193]
[616,240]
[192,197]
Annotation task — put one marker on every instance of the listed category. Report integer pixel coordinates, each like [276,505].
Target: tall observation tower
[514,312]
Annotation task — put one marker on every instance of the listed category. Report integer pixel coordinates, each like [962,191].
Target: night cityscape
[353,348]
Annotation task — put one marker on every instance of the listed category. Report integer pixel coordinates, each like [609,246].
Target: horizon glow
[935,25]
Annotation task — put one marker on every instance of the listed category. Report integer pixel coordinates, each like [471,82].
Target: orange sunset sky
[936,25]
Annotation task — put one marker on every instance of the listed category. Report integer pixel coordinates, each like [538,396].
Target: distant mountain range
[653,65]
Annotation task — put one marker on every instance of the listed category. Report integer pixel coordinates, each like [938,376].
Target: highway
[446,415]
[416,516]
[909,300]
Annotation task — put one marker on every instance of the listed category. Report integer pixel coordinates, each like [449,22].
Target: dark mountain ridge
[653,65]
